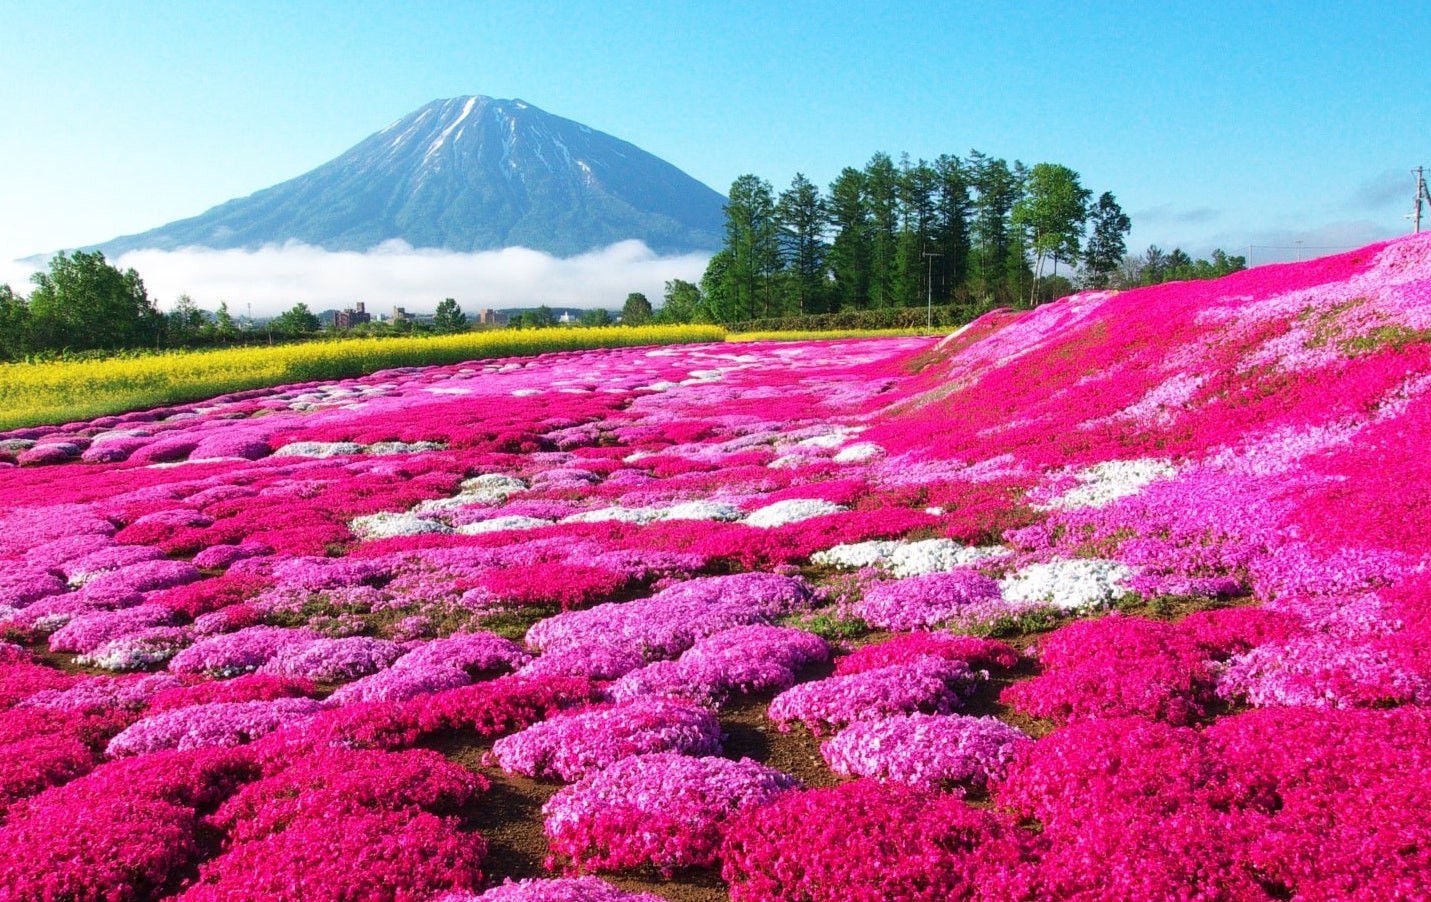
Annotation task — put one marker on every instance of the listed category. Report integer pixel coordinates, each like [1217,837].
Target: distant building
[491,318]
[400,314]
[347,319]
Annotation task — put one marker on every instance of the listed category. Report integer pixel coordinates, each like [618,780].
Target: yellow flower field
[65,391]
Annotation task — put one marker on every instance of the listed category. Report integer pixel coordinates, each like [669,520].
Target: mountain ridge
[467,173]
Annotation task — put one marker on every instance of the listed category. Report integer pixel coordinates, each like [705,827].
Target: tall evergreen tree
[918,186]
[951,226]
[998,190]
[849,258]
[801,218]
[882,200]
[1108,226]
[752,240]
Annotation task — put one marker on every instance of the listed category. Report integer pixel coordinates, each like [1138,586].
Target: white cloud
[16,274]
[275,278]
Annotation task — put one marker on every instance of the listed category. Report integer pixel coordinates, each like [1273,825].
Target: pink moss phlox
[926,684]
[664,809]
[1117,666]
[977,653]
[230,654]
[570,746]
[328,660]
[929,751]
[870,842]
[741,660]
[505,704]
[400,684]
[214,724]
[922,602]
[670,621]
[475,653]
[87,632]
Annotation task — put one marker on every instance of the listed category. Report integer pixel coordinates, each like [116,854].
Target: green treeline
[969,234]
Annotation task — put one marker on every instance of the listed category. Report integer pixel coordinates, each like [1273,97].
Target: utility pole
[1423,195]
[929,290]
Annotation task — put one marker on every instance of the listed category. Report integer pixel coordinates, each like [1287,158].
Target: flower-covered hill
[1121,598]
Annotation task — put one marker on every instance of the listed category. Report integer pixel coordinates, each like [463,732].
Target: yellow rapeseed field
[68,391]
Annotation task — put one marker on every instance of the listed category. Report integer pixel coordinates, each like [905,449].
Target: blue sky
[1214,125]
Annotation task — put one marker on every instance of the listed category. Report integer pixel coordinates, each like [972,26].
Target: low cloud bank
[274,278]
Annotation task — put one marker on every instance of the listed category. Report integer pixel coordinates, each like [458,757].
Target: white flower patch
[386,448]
[789,461]
[318,449]
[498,524]
[938,556]
[856,453]
[855,556]
[792,510]
[1069,585]
[386,525]
[702,510]
[641,515]
[1102,484]
[526,392]
[905,559]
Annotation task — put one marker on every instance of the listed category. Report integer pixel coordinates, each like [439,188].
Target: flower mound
[927,751]
[922,602]
[666,810]
[930,685]
[870,842]
[570,746]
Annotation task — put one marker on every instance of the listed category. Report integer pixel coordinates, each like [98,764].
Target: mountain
[468,174]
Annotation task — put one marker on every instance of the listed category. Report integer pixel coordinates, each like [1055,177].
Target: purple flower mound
[475,653]
[669,622]
[1321,671]
[217,557]
[212,725]
[145,576]
[85,567]
[230,654]
[597,660]
[218,724]
[334,660]
[930,685]
[103,693]
[88,632]
[400,684]
[665,809]
[571,746]
[56,453]
[873,842]
[742,660]
[928,751]
[923,602]
[241,445]
[564,889]
[23,585]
